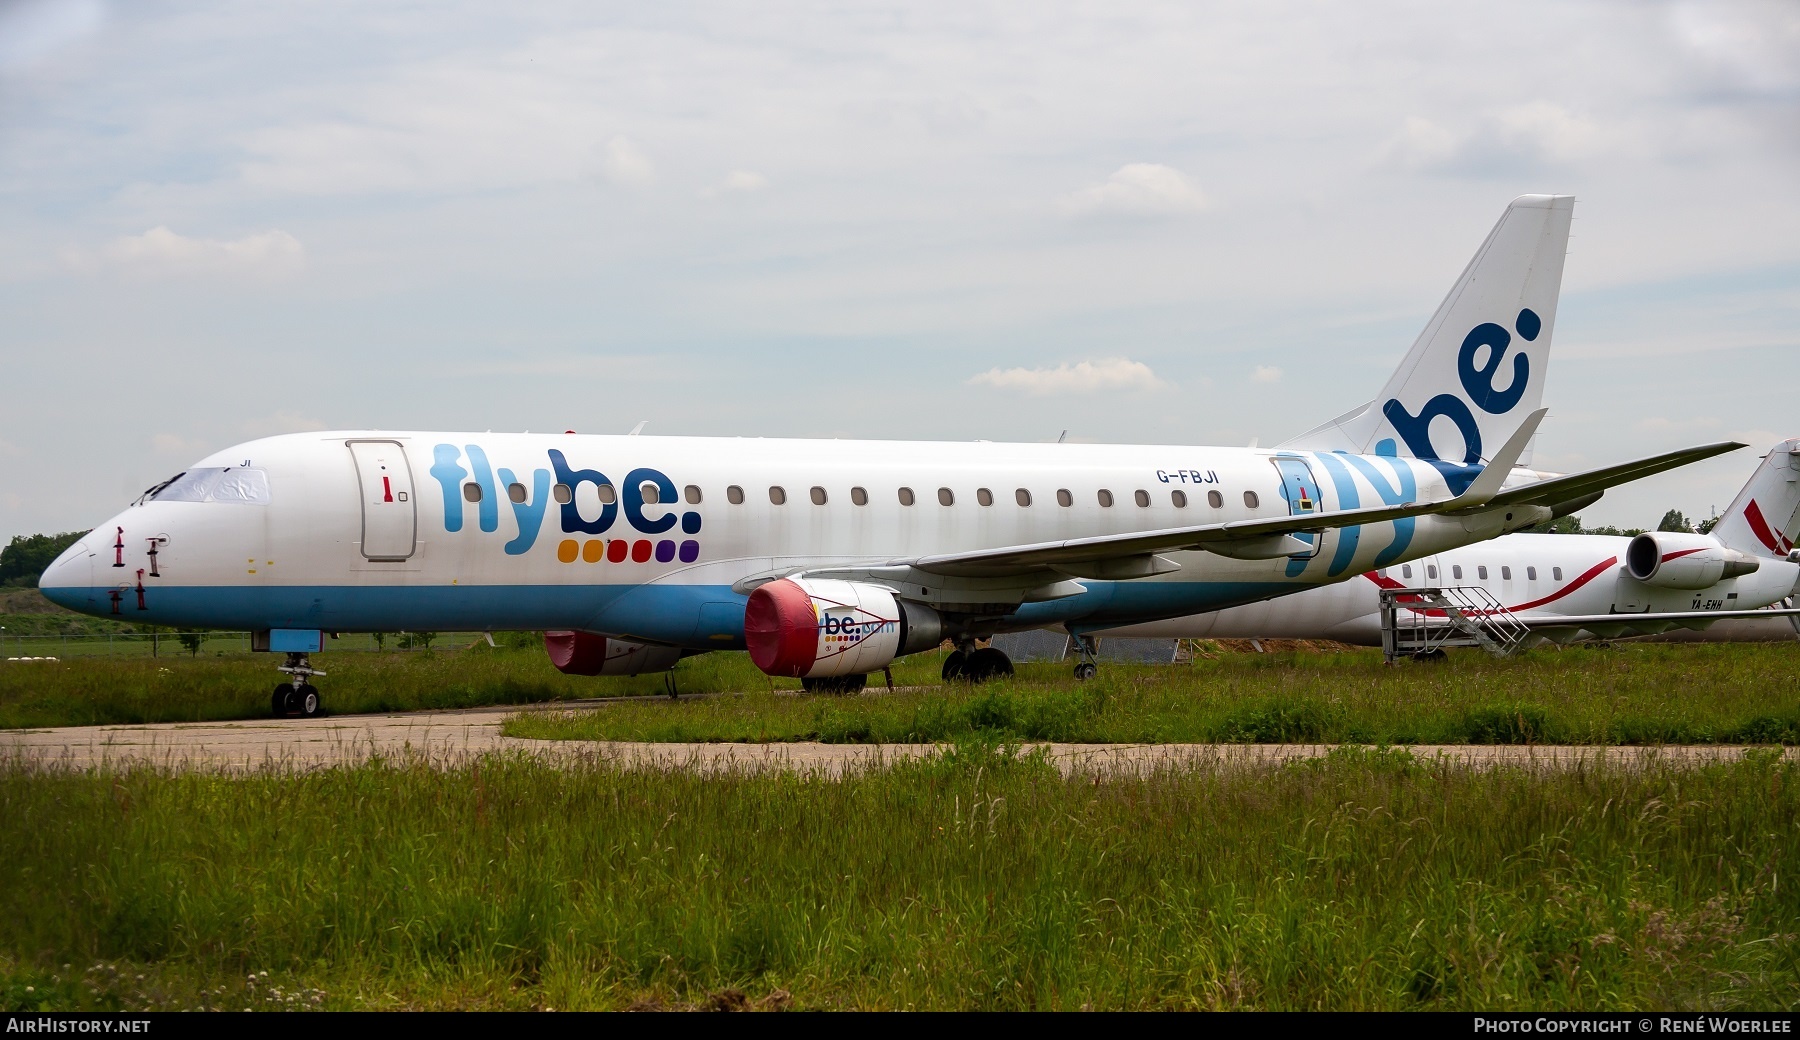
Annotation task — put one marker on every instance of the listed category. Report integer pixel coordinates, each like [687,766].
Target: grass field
[974,881]
[1631,694]
[1636,693]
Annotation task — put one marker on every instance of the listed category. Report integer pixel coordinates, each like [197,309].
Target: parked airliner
[828,559]
[1566,587]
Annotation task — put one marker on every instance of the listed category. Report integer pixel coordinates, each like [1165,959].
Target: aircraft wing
[1581,485]
[1248,539]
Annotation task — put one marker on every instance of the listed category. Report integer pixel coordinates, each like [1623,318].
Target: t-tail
[1764,519]
[1477,371]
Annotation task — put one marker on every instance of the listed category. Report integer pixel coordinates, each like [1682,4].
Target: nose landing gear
[1088,654]
[299,697]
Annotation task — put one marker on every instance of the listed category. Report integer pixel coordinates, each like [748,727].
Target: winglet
[1489,483]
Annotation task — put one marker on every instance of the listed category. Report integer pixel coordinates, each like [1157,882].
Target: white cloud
[626,163]
[162,251]
[1502,141]
[1138,190]
[1266,374]
[1083,376]
[737,182]
[30,29]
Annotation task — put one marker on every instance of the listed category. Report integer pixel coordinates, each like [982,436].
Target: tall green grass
[182,689]
[1639,694]
[978,880]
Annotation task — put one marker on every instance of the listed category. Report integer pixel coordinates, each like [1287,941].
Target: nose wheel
[299,697]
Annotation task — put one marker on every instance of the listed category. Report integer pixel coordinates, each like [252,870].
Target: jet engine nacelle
[1671,560]
[588,653]
[809,628]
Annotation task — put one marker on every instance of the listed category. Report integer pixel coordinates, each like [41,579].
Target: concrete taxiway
[447,738]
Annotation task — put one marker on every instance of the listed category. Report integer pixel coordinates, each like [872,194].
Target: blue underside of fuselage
[696,616]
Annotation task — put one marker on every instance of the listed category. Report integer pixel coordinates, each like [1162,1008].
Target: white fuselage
[368,530]
[1532,575]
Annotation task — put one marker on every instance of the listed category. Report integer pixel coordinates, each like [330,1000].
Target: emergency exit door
[389,516]
[1302,494]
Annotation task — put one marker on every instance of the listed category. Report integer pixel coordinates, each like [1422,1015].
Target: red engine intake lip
[576,653]
[781,629]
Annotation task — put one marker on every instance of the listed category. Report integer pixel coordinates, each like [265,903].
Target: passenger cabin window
[1456,571]
[1214,499]
[1556,572]
[1142,498]
[692,494]
[1431,571]
[1105,497]
[1063,498]
[777,495]
[734,495]
[1022,496]
[1481,572]
[906,496]
[818,496]
[607,495]
[471,492]
[946,497]
[1531,574]
[859,497]
[1250,499]
[1406,570]
[1506,573]
[563,494]
[650,493]
[984,496]
[1179,498]
[516,491]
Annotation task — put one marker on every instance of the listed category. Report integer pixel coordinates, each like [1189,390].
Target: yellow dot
[568,550]
[593,550]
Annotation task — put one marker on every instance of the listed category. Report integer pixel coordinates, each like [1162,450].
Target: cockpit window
[228,484]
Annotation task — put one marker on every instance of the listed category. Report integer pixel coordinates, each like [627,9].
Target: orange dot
[592,551]
[568,550]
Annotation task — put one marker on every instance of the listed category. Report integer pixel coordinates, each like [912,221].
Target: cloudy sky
[1186,223]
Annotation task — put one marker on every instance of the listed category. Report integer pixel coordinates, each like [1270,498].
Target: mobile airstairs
[1421,622]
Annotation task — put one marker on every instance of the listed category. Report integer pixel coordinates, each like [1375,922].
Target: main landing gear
[973,664]
[1087,666]
[299,697]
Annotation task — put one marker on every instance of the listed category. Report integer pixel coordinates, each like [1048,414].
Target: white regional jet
[1563,588]
[827,559]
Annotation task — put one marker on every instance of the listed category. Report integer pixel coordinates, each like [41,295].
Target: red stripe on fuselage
[1582,579]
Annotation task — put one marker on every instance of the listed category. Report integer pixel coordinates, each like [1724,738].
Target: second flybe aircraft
[827,559]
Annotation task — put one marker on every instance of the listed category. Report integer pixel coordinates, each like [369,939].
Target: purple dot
[665,551]
[690,551]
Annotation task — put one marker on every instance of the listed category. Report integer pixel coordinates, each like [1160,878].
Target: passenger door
[1302,494]
[389,514]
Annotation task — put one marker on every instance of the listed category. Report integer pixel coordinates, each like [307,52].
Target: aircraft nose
[69,580]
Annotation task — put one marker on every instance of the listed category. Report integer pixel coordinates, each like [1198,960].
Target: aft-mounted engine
[1672,560]
[809,628]
[589,653]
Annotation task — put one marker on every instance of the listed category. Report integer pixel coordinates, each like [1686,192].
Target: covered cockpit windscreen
[239,484]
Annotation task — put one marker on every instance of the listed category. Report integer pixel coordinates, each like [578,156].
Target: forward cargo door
[389,514]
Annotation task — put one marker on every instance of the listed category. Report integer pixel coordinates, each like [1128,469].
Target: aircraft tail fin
[1764,519]
[1477,371]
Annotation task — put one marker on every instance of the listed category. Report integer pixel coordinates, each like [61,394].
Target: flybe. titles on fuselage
[530,502]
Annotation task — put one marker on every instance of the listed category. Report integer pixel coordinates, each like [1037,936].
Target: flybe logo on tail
[475,485]
[1477,376]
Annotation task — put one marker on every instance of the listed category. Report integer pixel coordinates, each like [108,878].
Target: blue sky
[1183,223]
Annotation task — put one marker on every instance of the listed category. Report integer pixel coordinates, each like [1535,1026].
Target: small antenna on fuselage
[1060,437]
[639,428]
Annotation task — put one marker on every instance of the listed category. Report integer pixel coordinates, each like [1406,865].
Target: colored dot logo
[619,550]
